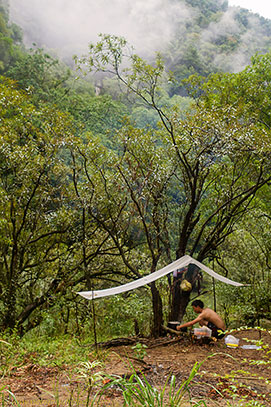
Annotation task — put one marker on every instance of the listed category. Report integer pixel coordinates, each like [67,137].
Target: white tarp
[178,264]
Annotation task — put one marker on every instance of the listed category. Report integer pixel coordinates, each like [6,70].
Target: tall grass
[138,391]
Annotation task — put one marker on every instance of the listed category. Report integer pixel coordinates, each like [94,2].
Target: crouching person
[207,317]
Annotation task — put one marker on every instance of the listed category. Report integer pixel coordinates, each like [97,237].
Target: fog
[227,25]
[69,25]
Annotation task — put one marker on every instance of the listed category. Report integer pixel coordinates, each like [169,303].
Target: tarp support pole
[94,325]
[214,294]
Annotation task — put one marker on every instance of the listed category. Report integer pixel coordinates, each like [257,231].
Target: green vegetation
[215,38]
[105,179]
[83,204]
[138,391]
[216,162]
[10,39]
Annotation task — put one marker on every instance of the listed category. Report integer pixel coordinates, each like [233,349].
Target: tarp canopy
[182,262]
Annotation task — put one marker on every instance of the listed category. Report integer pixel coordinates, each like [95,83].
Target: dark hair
[198,303]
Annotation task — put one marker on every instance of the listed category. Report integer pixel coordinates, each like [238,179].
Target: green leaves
[41,75]
[137,389]
[107,53]
[33,192]
[113,55]
[199,170]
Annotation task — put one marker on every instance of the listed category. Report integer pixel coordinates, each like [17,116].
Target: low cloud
[69,26]
[226,25]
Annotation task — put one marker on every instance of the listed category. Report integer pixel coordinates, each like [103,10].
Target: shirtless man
[206,317]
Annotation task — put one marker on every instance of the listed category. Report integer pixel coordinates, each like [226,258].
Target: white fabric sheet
[182,262]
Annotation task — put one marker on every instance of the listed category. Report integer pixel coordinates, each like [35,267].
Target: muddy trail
[226,377]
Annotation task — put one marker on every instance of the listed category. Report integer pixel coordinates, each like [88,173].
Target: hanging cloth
[177,264]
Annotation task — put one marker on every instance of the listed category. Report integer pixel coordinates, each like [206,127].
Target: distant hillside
[10,38]
[217,38]
[200,36]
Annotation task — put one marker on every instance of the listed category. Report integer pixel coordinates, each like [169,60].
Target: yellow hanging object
[186,286]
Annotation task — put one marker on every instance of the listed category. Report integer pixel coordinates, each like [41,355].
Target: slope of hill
[218,37]
[195,35]
[10,38]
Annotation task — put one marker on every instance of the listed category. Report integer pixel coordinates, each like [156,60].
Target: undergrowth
[44,351]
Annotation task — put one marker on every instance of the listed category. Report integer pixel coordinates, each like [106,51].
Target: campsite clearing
[226,377]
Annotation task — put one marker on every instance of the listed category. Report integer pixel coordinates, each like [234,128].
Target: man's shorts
[216,332]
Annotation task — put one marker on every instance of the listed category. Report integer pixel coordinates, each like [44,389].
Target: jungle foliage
[99,188]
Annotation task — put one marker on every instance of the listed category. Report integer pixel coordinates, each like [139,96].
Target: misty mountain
[194,36]
[203,35]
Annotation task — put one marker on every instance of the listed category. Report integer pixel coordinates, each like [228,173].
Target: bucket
[173,324]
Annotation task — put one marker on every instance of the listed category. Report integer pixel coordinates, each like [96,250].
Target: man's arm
[190,323]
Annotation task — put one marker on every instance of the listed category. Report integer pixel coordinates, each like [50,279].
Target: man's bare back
[208,315]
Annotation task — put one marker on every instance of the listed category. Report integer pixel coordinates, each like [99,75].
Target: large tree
[217,154]
[123,193]
[34,204]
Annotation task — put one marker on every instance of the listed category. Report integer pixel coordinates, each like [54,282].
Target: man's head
[197,306]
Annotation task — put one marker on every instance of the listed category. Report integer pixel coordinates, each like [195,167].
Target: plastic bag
[231,341]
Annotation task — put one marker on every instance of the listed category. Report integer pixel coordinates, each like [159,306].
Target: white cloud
[226,25]
[70,25]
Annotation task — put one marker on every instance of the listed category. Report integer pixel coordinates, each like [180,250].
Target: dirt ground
[227,375]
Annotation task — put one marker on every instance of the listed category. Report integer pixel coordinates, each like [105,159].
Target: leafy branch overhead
[215,151]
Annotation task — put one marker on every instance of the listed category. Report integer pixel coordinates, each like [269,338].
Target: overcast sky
[262,7]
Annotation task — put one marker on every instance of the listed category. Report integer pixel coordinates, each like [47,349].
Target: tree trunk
[9,300]
[37,303]
[156,330]
[180,298]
